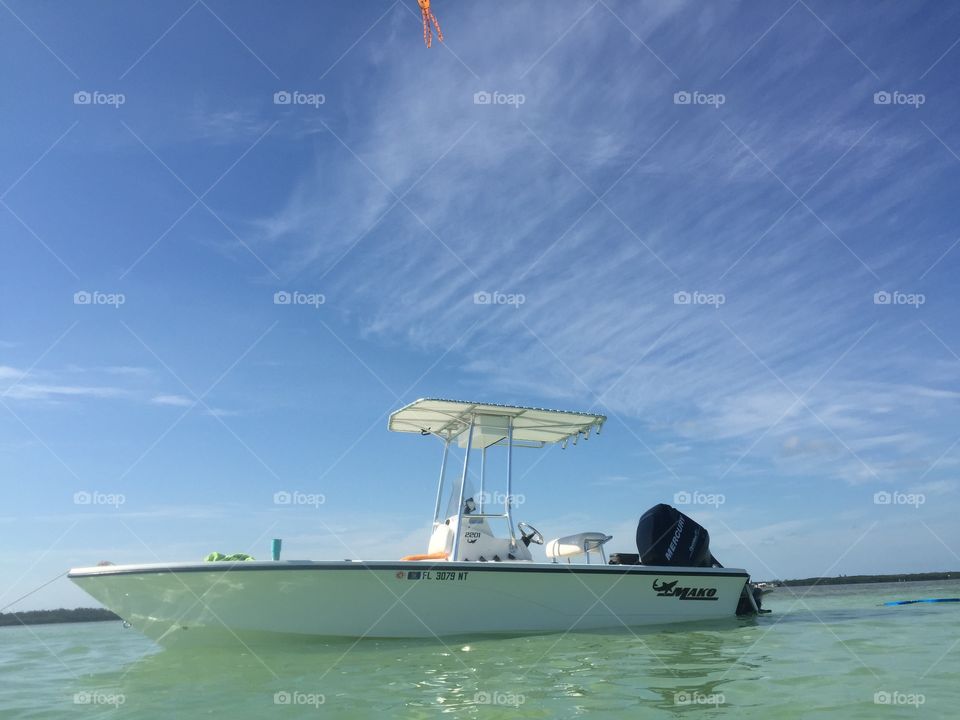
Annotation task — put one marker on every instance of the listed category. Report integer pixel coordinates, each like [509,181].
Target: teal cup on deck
[275,548]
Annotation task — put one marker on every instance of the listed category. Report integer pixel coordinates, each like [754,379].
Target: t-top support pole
[463,486]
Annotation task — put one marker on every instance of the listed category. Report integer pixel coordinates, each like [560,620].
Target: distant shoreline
[62,615]
[861,579]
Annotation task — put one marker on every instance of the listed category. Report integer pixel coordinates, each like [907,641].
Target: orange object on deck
[427,556]
[429,17]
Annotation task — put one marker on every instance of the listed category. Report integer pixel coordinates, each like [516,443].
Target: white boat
[474,578]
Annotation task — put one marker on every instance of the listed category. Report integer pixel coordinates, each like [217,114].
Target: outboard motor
[665,536]
[751,600]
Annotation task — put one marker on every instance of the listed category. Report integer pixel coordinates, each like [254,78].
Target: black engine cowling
[665,536]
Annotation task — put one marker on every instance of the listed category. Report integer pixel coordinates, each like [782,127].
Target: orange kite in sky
[429,17]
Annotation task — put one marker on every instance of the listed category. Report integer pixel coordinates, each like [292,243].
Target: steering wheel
[529,534]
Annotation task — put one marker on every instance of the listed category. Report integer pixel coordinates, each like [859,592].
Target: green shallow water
[824,654]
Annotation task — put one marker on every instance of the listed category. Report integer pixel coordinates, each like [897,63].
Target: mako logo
[670,589]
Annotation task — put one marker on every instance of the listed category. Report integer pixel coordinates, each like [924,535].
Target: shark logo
[670,589]
[664,588]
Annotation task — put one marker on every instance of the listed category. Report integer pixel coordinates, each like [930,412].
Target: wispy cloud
[228,126]
[47,386]
[46,389]
[173,400]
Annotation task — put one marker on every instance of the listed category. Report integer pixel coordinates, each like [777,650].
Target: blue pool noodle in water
[925,600]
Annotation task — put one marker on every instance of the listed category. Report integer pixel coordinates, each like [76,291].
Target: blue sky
[634,155]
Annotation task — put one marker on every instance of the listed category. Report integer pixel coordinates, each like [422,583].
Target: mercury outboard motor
[665,536]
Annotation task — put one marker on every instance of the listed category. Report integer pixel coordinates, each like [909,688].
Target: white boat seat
[441,540]
[571,546]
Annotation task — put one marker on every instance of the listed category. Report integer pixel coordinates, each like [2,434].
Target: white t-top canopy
[450,418]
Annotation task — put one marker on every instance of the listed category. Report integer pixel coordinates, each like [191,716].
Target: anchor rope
[41,587]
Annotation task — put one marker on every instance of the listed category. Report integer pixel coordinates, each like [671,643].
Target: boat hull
[407,599]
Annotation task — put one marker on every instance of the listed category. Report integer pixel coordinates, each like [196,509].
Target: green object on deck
[220,557]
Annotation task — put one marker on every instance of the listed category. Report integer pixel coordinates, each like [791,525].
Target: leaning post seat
[572,546]
[441,540]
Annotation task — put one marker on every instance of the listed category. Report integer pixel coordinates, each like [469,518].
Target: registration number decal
[438,575]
